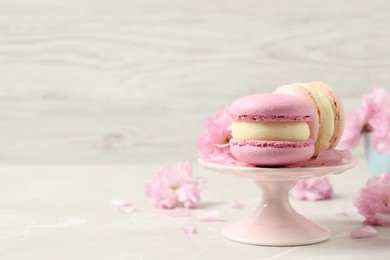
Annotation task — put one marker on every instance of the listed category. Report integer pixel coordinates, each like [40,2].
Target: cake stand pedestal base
[275,222]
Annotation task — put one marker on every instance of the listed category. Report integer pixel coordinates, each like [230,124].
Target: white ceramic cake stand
[275,222]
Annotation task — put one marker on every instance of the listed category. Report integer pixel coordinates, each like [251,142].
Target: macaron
[328,122]
[271,130]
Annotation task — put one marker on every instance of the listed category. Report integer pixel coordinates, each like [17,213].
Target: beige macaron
[328,124]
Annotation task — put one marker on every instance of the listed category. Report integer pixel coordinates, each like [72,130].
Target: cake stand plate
[275,222]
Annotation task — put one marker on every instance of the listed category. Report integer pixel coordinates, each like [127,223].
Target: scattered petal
[210,216]
[333,157]
[363,232]
[179,212]
[190,230]
[124,206]
[235,204]
[118,203]
[344,212]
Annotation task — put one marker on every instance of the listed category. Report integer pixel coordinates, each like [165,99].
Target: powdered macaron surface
[271,108]
[328,121]
[271,129]
[298,90]
[338,111]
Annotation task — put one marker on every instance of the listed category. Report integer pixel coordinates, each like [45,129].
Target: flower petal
[189,230]
[333,157]
[124,206]
[344,212]
[355,122]
[118,203]
[210,216]
[179,212]
[213,143]
[327,158]
[383,218]
[235,204]
[363,232]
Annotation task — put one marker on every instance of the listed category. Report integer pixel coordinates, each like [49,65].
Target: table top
[65,212]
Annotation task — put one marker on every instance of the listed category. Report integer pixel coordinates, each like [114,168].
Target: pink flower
[172,188]
[374,117]
[313,189]
[380,135]
[373,201]
[213,144]
[377,107]
[353,129]
[375,101]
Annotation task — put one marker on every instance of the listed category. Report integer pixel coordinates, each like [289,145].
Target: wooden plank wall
[130,81]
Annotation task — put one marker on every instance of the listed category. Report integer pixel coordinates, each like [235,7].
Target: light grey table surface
[64,212]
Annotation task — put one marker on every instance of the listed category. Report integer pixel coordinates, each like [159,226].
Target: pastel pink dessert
[271,130]
[328,122]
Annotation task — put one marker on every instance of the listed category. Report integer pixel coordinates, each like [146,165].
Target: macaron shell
[327,119]
[256,153]
[298,90]
[339,118]
[271,107]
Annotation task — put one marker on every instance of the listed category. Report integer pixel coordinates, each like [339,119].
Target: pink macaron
[271,130]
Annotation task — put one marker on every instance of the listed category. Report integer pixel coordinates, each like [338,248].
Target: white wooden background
[128,81]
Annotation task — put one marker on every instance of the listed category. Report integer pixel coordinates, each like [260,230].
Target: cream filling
[270,131]
[327,119]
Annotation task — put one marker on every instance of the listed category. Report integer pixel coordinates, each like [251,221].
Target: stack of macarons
[288,126]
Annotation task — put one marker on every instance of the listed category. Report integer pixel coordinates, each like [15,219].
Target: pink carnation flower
[373,117]
[377,107]
[214,143]
[313,189]
[373,201]
[380,134]
[172,188]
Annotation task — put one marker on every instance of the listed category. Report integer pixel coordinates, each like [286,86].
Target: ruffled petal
[235,204]
[189,230]
[124,206]
[363,232]
[210,216]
